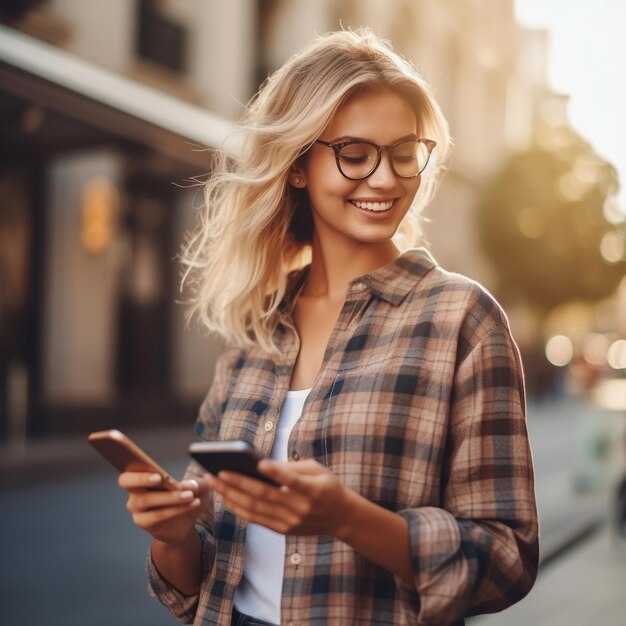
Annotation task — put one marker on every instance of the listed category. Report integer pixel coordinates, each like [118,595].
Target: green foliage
[541,222]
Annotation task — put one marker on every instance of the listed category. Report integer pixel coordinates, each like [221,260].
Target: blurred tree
[542,223]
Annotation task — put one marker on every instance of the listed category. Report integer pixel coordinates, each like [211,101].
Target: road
[70,557]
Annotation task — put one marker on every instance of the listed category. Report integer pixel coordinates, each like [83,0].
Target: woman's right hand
[168,516]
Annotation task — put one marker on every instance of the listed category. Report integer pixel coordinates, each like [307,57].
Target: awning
[61,82]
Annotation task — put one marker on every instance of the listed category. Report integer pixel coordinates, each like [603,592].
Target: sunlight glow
[586,47]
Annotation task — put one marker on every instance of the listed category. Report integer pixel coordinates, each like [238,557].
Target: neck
[333,266]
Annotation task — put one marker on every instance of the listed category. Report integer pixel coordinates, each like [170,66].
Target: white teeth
[373,206]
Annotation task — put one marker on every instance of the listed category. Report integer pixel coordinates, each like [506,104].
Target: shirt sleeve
[478,552]
[183,607]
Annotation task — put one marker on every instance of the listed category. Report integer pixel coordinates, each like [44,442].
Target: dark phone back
[233,456]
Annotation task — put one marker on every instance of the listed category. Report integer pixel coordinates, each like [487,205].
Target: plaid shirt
[419,406]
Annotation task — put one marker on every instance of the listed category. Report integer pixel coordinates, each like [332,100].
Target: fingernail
[186,494]
[189,484]
[155,478]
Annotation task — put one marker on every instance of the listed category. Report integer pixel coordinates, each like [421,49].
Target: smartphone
[233,456]
[127,456]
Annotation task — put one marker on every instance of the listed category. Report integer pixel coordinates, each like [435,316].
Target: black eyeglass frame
[337,146]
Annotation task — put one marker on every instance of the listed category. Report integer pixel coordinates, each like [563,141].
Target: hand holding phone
[127,456]
[233,456]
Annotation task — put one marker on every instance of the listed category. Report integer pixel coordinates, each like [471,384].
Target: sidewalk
[585,587]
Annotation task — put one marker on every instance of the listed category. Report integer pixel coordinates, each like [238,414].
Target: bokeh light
[616,355]
[612,247]
[559,350]
[571,187]
[595,349]
[612,211]
[99,207]
[531,223]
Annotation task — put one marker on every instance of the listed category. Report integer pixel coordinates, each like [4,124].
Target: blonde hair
[255,227]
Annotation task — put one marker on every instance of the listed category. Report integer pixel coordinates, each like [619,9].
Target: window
[159,39]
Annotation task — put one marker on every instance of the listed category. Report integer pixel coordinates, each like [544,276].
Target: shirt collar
[393,282]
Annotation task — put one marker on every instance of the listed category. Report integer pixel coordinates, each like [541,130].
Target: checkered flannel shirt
[419,406]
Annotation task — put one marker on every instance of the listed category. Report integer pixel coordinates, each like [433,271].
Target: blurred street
[583,573]
[70,555]
[583,588]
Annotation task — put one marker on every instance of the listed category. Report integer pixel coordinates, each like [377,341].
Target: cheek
[414,185]
[324,179]
[329,186]
[411,189]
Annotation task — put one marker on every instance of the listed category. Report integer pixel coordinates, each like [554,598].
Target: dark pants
[239,619]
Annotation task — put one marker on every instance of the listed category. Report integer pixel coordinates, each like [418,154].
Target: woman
[386,392]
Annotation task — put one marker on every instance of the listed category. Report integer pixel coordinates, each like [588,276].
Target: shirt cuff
[182,607]
[441,583]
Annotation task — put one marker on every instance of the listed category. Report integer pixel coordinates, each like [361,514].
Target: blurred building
[103,107]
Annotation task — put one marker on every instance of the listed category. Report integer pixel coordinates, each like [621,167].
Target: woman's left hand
[310,501]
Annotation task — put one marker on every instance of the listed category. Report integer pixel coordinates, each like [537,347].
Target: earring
[297,180]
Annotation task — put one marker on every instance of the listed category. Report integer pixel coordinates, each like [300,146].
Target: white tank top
[260,589]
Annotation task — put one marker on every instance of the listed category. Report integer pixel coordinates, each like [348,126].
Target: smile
[377,207]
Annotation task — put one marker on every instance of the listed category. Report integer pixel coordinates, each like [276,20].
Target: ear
[296,176]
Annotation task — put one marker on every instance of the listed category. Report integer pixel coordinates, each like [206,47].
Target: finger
[295,476]
[275,518]
[151,519]
[259,497]
[203,485]
[189,484]
[256,489]
[139,480]
[150,500]
[253,485]
[308,467]
[295,491]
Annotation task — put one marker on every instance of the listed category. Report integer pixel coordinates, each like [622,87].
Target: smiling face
[366,211]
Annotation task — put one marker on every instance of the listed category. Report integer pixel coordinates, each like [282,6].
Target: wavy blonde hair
[255,228]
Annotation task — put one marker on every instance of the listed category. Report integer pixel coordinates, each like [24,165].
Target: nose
[383,177]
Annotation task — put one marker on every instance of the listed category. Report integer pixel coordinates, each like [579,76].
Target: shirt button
[269,425]
[295,455]
[295,558]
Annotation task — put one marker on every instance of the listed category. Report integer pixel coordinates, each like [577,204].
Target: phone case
[127,456]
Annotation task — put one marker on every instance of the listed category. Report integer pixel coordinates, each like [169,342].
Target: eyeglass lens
[358,160]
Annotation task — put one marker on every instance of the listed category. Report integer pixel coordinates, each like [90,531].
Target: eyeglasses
[358,158]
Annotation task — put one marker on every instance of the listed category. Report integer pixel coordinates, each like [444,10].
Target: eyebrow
[351,138]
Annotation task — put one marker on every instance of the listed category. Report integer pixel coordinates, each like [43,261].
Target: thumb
[199,486]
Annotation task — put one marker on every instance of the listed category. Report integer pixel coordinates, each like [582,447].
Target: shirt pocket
[240,417]
[380,384]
